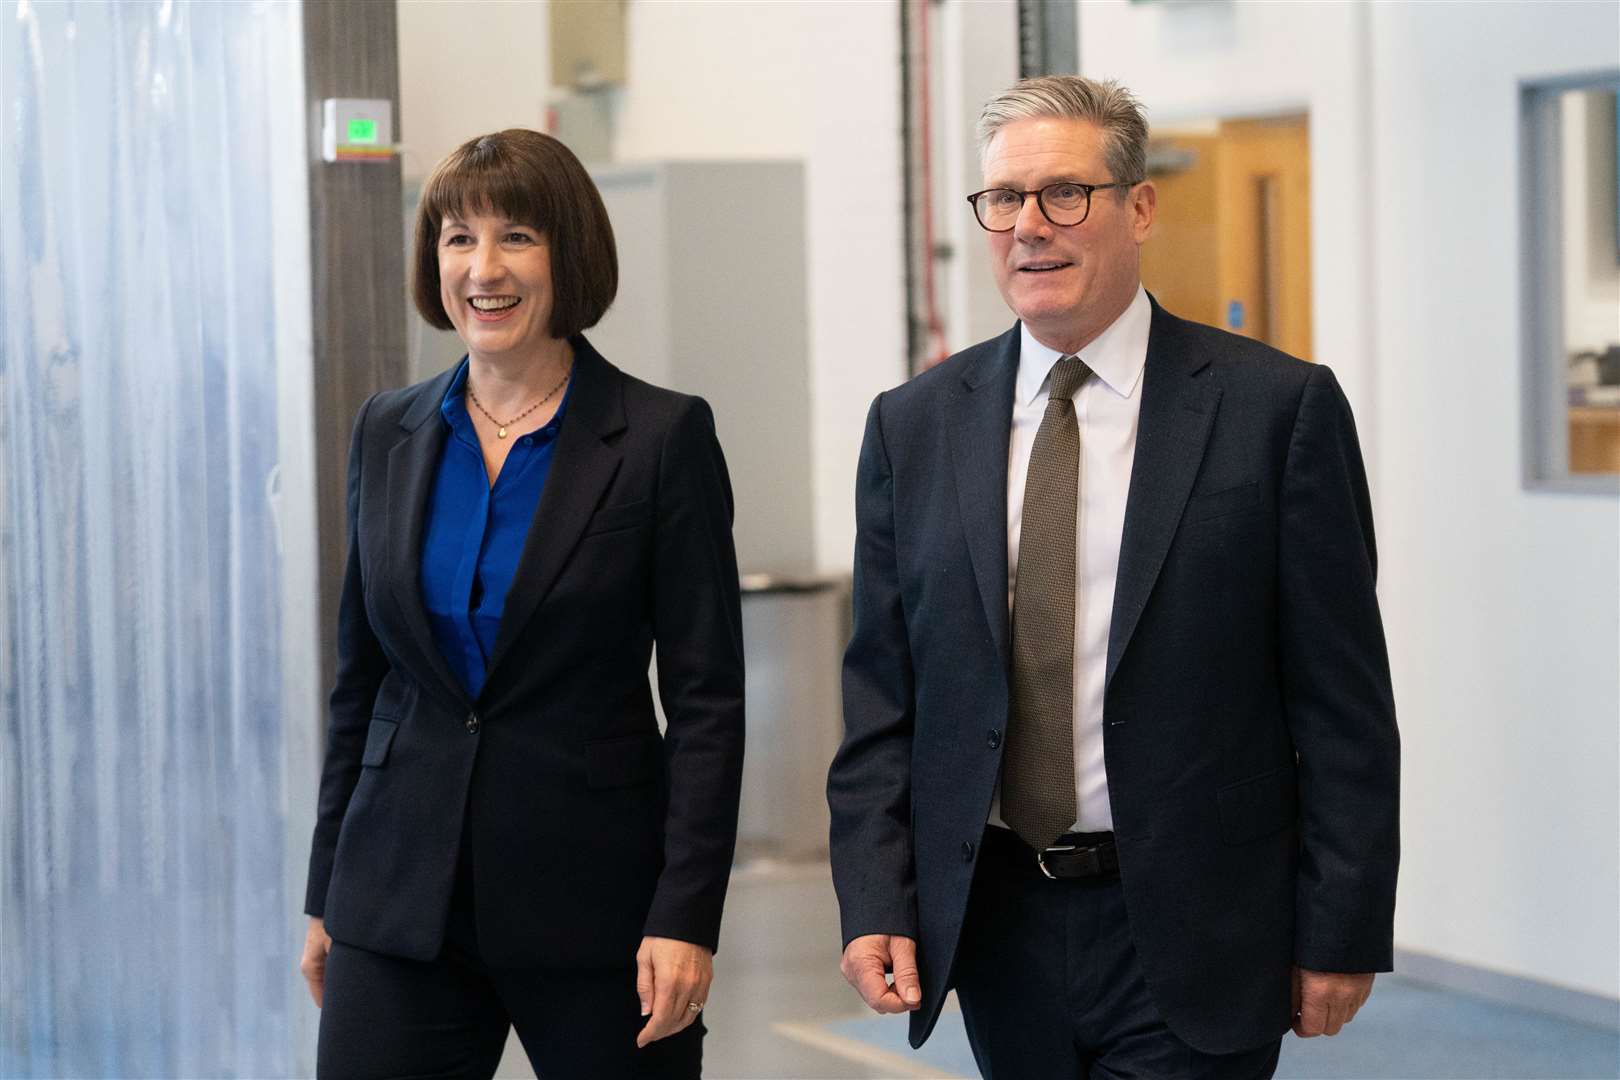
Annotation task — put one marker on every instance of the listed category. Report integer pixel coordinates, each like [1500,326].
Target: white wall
[819,82]
[467,69]
[716,80]
[1502,607]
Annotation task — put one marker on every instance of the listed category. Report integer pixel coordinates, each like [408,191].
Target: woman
[503,835]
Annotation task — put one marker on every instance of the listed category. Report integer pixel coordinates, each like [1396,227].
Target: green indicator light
[362,131]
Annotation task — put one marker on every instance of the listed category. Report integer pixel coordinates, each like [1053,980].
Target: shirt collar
[1117,356]
[454,406]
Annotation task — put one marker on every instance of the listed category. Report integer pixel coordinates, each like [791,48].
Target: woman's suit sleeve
[697,627]
[361,667]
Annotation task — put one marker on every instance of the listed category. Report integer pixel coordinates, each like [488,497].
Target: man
[1120,761]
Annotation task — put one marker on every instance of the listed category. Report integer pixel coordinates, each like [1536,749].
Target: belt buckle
[1040,858]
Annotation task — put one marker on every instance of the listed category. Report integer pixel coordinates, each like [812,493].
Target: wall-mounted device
[357,129]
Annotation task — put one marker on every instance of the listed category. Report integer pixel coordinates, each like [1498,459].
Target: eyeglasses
[1064,203]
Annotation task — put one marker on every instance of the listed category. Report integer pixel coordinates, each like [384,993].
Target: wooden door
[1231,243]
[1264,195]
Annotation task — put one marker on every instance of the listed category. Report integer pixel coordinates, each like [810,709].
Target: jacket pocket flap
[378,739]
[623,762]
[1226,501]
[622,516]
[1257,807]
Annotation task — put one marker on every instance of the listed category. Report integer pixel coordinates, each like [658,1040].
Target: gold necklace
[501,434]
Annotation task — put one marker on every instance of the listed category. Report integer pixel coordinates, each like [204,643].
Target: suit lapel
[981,423]
[584,463]
[1179,399]
[412,464]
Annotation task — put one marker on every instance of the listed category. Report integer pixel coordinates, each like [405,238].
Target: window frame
[1545,389]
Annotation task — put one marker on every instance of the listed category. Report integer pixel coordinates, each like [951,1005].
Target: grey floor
[780,1009]
[777,965]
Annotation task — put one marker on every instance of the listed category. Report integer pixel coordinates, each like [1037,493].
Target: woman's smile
[493,308]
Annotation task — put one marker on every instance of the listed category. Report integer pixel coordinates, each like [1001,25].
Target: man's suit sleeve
[697,625]
[1337,694]
[869,785]
[361,667]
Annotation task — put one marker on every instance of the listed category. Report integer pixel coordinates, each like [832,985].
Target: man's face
[1066,283]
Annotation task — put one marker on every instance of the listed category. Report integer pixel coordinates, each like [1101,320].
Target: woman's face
[495,284]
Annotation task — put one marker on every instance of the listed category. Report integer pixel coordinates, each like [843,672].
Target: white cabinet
[712,301]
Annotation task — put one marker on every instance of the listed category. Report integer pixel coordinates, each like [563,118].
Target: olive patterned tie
[1037,772]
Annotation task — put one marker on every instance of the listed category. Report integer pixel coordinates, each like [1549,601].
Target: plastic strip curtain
[144,922]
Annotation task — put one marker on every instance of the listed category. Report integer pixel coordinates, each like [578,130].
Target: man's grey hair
[1104,102]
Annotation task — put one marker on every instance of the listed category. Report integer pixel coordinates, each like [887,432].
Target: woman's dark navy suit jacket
[588,828]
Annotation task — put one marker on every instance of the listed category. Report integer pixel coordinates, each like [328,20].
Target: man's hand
[670,976]
[313,962]
[1325,1001]
[868,958]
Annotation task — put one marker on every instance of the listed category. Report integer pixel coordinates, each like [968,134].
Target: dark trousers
[387,1017]
[1051,986]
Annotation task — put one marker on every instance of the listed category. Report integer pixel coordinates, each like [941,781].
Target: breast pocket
[623,516]
[1222,503]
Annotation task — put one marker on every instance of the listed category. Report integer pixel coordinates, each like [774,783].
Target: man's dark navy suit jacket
[588,829]
[1248,723]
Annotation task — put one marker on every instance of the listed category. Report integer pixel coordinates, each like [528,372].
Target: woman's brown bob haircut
[534,180]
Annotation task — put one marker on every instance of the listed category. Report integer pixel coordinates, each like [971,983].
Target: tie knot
[1067,375]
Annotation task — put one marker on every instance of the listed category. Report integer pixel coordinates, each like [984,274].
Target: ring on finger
[694,1007]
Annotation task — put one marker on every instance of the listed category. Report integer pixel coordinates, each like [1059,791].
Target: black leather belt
[1073,857]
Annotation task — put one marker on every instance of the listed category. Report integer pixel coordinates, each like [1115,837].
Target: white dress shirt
[1107,406]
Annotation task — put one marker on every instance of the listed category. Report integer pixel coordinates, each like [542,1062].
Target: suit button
[967,851]
[472,722]
[994,738]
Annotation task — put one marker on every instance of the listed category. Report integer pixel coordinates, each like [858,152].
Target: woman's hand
[670,976]
[313,963]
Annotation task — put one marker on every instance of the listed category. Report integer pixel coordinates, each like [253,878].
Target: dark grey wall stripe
[1515,990]
[357,264]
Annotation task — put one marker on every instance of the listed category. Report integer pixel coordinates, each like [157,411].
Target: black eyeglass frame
[1040,201]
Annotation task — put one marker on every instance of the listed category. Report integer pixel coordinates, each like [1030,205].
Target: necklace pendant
[501,434]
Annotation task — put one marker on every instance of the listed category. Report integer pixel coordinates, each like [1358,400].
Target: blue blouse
[474,534]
